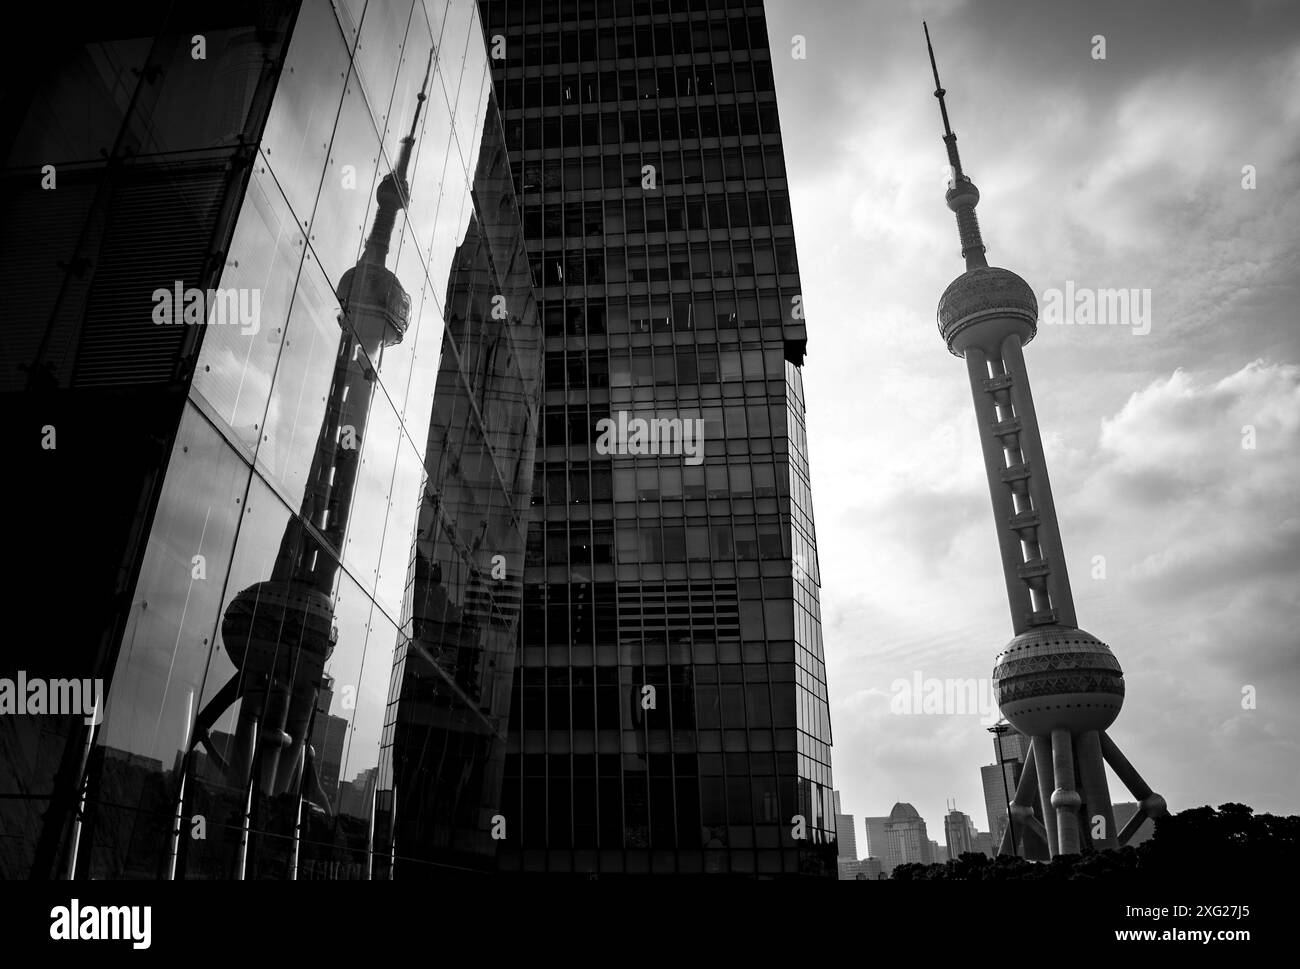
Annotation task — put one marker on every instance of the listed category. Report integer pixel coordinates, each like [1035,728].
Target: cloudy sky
[1125,172]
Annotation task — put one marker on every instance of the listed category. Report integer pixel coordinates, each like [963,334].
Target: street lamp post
[998,729]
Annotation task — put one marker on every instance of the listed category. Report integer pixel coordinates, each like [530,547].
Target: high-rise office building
[877,839]
[983,844]
[1011,748]
[871,869]
[959,833]
[844,834]
[669,710]
[224,290]
[907,841]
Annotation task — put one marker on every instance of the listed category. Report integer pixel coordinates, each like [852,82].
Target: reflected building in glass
[225,494]
[445,744]
[669,709]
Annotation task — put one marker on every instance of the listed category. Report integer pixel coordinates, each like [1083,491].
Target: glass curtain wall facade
[249,683]
[669,711]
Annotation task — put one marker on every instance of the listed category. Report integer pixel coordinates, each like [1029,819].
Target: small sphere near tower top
[963,194]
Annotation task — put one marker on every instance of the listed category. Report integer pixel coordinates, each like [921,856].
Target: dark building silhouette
[669,708]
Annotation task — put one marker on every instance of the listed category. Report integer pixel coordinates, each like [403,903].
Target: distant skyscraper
[907,839]
[844,833]
[872,868]
[669,710]
[877,845]
[959,833]
[1055,683]
[984,844]
[1012,747]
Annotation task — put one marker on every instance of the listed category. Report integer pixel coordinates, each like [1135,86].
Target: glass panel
[235,368]
[306,105]
[160,673]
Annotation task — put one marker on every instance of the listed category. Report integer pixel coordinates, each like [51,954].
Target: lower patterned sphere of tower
[984,305]
[1055,677]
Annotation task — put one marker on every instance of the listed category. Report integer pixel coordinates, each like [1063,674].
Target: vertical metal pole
[297,840]
[392,839]
[75,840]
[370,834]
[180,793]
[248,805]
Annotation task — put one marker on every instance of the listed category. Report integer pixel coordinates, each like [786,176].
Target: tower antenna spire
[962,196]
[949,138]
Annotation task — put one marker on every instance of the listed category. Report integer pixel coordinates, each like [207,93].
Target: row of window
[591,706]
[570,483]
[635,84]
[584,543]
[526,45]
[670,366]
[636,812]
[654,764]
[576,428]
[676,263]
[665,314]
[654,211]
[616,129]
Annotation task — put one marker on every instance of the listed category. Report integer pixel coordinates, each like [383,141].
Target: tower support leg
[1096,794]
[1065,799]
[1150,804]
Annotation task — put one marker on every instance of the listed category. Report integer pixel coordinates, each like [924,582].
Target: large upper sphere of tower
[982,306]
[1054,676]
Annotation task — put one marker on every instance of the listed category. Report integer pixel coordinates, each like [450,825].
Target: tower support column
[1040,488]
[1065,799]
[1004,508]
[1042,748]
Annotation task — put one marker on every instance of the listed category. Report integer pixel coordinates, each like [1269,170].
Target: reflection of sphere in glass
[1052,676]
[376,304]
[284,630]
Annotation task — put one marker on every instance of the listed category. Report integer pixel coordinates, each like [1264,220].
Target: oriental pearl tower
[1057,684]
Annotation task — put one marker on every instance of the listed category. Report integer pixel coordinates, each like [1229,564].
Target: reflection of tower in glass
[279,633]
[446,754]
